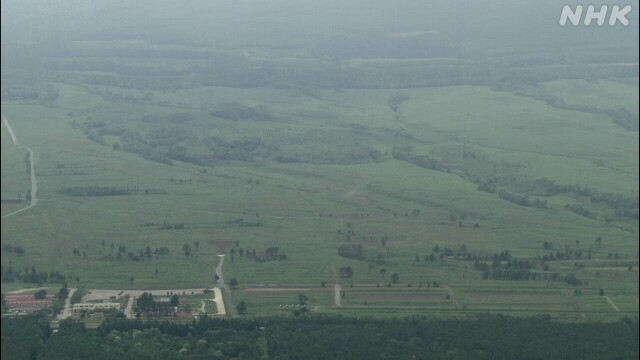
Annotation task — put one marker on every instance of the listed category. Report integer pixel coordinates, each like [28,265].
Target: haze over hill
[250,159]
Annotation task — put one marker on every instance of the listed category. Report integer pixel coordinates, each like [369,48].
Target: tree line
[107,191]
[477,337]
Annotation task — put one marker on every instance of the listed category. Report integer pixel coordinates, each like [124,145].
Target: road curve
[32,170]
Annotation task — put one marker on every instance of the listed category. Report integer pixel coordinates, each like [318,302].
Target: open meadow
[382,168]
[356,192]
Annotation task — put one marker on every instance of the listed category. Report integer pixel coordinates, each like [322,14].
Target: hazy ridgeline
[168,45]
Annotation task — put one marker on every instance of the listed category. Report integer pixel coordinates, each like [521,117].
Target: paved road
[66,311]
[128,310]
[34,183]
[219,300]
[230,304]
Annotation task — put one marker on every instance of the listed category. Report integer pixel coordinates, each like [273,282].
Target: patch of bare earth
[402,298]
[276,289]
[511,297]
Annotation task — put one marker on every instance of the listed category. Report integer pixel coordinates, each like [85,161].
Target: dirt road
[612,304]
[34,183]
[26,290]
[452,296]
[351,193]
[337,295]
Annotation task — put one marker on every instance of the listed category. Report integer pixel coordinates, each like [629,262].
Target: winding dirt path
[34,182]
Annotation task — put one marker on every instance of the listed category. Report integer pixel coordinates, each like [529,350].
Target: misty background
[325,44]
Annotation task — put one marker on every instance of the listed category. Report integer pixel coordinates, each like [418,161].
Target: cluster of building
[292,306]
[25,304]
[97,306]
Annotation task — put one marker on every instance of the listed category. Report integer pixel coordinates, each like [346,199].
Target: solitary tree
[395,278]
[395,100]
[302,299]
[242,307]
[40,294]
[346,272]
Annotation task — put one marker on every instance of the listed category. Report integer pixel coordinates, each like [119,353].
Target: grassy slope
[15,180]
[566,146]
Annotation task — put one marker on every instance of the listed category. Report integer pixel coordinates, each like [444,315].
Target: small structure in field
[94,306]
[27,303]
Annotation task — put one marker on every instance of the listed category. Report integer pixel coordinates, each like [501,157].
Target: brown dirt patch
[401,297]
[511,297]
[276,289]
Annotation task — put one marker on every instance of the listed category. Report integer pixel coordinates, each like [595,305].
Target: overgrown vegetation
[335,338]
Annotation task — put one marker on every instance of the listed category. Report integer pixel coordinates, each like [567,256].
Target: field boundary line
[452,296]
[612,304]
[34,182]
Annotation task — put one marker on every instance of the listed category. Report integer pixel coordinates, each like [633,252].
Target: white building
[93,306]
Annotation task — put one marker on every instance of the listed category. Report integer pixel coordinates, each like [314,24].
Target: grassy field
[394,209]
[602,94]
[15,179]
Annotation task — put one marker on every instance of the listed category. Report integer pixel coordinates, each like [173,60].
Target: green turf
[305,208]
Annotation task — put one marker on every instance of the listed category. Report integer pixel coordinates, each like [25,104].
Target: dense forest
[485,337]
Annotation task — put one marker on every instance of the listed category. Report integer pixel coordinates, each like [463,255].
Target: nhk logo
[617,14]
